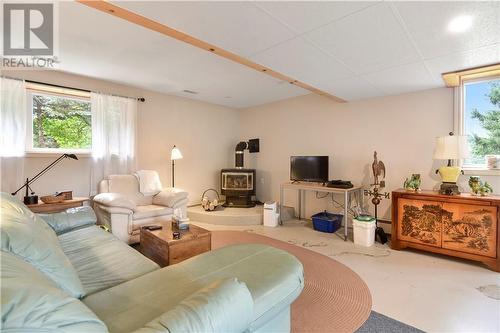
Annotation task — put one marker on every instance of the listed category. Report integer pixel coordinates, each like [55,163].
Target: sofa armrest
[223,306]
[169,197]
[114,200]
[70,219]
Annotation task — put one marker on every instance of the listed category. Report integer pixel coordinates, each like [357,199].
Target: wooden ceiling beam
[147,23]
[455,79]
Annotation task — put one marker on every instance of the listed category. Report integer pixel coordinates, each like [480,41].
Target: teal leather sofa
[62,273]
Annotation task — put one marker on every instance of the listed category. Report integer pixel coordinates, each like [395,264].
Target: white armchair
[122,208]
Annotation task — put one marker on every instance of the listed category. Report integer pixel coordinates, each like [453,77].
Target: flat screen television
[309,168]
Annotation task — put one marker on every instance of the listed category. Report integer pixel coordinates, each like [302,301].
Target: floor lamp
[174,155]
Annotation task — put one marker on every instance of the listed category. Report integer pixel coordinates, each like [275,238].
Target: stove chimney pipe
[239,153]
[253,146]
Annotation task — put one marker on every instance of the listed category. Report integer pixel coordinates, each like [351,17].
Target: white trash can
[364,230]
[271,215]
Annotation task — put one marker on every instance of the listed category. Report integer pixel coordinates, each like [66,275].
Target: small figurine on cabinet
[478,188]
[413,184]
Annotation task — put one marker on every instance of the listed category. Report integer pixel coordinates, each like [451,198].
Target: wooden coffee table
[162,248]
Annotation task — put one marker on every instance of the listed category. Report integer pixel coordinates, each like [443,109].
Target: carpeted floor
[378,323]
[334,299]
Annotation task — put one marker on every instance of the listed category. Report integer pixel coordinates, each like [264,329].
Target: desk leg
[346,210]
[360,198]
[304,205]
[300,203]
[282,197]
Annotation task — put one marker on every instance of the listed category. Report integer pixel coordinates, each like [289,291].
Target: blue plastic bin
[327,222]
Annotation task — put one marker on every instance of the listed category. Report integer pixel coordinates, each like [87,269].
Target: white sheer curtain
[113,136]
[12,132]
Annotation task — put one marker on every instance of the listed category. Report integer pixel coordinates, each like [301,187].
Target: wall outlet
[262,180]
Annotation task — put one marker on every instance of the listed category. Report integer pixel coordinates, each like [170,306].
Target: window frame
[459,122]
[33,151]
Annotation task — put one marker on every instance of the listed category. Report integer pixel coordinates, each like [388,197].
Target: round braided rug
[334,299]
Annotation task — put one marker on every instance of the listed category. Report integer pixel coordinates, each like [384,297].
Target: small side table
[159,245]
[41,207]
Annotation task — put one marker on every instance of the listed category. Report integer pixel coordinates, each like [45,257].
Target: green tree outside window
[61,122]
[488,141]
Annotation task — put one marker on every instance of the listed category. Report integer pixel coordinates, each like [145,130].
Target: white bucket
[364,232]
[271,216]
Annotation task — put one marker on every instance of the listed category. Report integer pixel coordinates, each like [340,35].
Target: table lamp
[33,199]
[452,147]
[174,155]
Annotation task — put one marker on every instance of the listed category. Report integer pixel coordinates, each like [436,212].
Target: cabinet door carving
[470,228]
[420,221]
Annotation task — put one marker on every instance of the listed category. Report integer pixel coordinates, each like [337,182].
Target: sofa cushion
[143,212]
[273,276]
[70,219]
[26,235]
[31,302]
[128,185]
[102,260]
[222,306]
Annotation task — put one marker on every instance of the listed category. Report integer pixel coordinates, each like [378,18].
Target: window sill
[482,172]
[84,154]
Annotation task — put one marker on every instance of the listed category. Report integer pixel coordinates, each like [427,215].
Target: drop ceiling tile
[367,41]
[403,79]
[353,88]
[239,27]
[454,62]
[116,50]
[427,23]
[302,61]
[303,16]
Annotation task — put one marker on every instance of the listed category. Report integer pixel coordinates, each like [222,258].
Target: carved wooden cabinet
[462,225]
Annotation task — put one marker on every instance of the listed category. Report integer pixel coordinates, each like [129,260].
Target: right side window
[481,120]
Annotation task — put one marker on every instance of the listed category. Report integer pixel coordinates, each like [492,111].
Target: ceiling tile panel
[239,27]
[304,62]
[454,62]
[303,16]
[353,50]
[367,41]
[353,88]
[427,23]
[116,50]
[403,79]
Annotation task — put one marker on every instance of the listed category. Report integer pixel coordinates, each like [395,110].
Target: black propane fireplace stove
[238,184]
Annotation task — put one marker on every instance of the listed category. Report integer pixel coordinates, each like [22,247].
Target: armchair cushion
[222,306]
[143,212]
[169,197]
[116,210]
[72,218]
[114,200]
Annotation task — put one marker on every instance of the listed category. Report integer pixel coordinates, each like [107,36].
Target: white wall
[402,129]
[205,133]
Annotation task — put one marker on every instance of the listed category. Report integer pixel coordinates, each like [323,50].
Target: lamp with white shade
[174,155]
[452,147]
